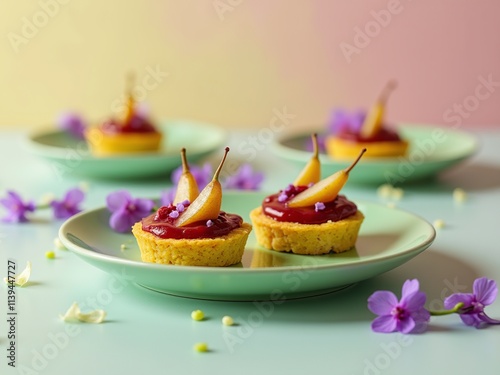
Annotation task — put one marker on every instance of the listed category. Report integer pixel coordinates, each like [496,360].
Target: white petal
[74,314]
[23,277]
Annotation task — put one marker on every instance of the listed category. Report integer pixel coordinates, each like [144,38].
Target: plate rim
[422,246]
[302,155]
[55,152]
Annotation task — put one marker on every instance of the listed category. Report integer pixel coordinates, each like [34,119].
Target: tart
[380,141]
[132,134]
[309,217]
[193,233]
[303,230]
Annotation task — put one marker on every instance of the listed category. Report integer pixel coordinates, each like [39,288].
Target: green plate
[432,149]
[68,155]
[388,238]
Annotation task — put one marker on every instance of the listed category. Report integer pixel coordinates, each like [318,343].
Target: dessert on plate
[133,133]
[309,216]
[379,140]
[193,231]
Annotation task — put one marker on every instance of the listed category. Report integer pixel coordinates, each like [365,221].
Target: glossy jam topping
[275,206]
[383,135]
[136,124]
[162,224]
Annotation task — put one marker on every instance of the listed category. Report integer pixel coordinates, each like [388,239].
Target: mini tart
[339,148]
[108,144]
[210,252]
[307,239]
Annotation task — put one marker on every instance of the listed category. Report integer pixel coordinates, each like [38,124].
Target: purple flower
[406,316]
[72,123]
[167,196]
[126,211]
[16,208]
[68,206]
[342,120]
[472,313]
[244,179]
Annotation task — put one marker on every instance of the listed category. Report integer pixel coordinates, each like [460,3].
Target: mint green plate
[432,150]
[68,155]
[388,238]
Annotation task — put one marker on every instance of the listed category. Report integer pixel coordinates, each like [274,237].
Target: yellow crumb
[439,223]
[197,315]
[201,347]
[227,321]
[50,255]
[459,195]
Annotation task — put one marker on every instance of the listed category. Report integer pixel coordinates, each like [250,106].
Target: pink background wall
[233,61]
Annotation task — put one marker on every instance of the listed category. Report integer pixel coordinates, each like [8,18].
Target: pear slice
[207,205]
[187,187]
[374,118]
[312,171]
[326,190]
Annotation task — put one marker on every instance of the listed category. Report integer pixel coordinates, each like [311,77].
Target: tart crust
[308,239]
[211,252]
[339,148]
[103,144]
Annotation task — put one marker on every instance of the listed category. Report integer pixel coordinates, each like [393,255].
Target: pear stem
[348,169]
[185,165]
[130,96]
[387,90]
[219,168]
[315,145]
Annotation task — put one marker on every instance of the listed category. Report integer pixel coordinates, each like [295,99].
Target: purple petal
[406,325]
[471,320]
[121,221]
[143,206]
[73,197]
[409,287]
[414,302]
[382,302]
[167,197]
[485,318]
[118,200]
[72,123]
[384,324]
[421,318]
[176,175]
[485,290]
[452,300]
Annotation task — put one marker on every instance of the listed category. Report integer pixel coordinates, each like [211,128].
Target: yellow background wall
[233,62]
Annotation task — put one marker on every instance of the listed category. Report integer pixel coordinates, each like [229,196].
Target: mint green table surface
[151,333]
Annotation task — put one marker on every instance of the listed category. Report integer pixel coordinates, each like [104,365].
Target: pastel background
[235,62]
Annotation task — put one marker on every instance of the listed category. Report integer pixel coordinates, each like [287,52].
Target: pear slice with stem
[326,190]
[207,205]
[374,118]
[312,171]
[187,187]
